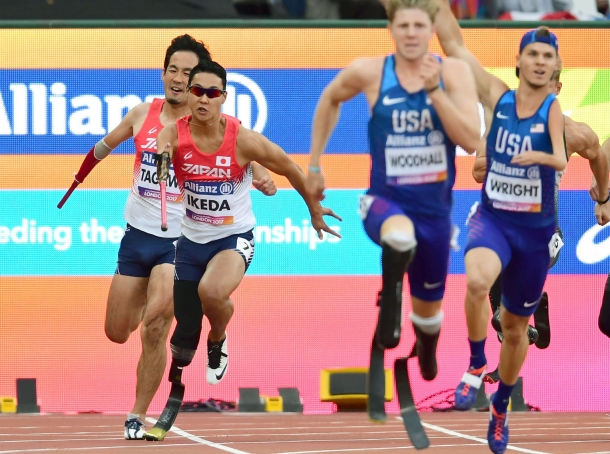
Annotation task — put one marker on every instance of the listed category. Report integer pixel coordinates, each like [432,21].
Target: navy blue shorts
[428,271]
[140,252]
[525,253]
[192,258]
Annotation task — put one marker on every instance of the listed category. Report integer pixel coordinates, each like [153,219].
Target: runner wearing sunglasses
[211,153]
[142,286]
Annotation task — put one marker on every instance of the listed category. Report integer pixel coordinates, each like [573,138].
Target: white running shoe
[134,429]
[217,361]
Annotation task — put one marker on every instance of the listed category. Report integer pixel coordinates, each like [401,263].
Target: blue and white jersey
[413,159]
[520,195]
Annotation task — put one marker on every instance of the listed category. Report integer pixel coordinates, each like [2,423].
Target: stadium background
[304,305]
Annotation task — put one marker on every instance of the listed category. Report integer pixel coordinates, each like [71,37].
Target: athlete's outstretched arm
[558,159]
[167,140]
[261,179]
[347,84]
[489,87]
[252,146]
[457,104]
[100,150]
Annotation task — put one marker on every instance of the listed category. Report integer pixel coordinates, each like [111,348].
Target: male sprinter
[511,230]
[421,107]
[211,153]
[597,194]
[142,286]
[579,139]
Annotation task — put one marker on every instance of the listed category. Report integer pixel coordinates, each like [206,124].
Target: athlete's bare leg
[222,276]
[425,309]
[482,268]
[156,322]
[126,302]
[514,347]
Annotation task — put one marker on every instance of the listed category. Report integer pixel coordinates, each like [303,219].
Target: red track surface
[455,433]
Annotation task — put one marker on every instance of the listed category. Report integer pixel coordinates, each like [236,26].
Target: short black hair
[186,43]
[209,66]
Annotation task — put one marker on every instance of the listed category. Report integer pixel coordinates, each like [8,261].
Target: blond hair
[558,69]
[430,7]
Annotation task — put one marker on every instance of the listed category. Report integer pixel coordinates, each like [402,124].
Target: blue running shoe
[466,391]
[497,433]
[134,429]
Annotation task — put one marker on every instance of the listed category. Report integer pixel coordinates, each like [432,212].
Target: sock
[133,416]
[477,354]
[430,325]
[500,399]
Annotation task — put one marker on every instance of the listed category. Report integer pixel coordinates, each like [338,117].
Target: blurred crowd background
[294,9]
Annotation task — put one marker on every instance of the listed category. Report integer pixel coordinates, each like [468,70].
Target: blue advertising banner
[67,111]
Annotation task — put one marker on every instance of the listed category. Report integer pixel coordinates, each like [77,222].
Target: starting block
[347,387]
[26,396]
[8,405]
[251,401]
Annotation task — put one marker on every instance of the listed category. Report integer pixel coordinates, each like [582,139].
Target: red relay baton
[68,193]
[163,175]
[163,206]
[86,167]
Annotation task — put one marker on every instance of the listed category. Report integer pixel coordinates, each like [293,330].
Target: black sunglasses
[209,92]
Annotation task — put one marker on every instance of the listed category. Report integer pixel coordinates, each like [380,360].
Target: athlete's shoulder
[579,136]
[455,64]
[366,67]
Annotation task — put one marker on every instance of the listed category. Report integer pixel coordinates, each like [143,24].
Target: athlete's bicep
[461,89]
[591,148]
[556,128]
[347,84]
[124,130]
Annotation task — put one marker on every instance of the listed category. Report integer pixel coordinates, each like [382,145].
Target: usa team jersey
[215,189]
[143,208]
[520,195]
[413,159]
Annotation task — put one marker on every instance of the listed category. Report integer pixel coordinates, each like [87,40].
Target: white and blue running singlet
[413,159]
[520,195]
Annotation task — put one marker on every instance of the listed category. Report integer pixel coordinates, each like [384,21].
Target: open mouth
[202,110]
[176,90]
[539,72]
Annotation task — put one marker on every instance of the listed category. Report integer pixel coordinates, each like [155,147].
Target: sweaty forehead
[206,80]
[406,15]
[183,59]
[540,48]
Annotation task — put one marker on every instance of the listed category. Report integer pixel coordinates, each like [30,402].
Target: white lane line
[375,448]
[199,440]
[93,448]
[480,440]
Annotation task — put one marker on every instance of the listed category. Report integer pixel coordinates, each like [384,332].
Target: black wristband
[433,89]
[605,201]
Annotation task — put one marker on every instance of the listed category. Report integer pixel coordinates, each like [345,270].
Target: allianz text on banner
[83,237]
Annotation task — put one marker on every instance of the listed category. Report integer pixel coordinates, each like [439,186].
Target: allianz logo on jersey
[44,109]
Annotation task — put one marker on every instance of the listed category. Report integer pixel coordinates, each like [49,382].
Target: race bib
[148,185]
[416,165]
[245,247]
[555,245]
[514,194]
[365,205]
[209,202]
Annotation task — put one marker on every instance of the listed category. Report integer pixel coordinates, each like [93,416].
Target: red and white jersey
[215,189]
[143,208]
